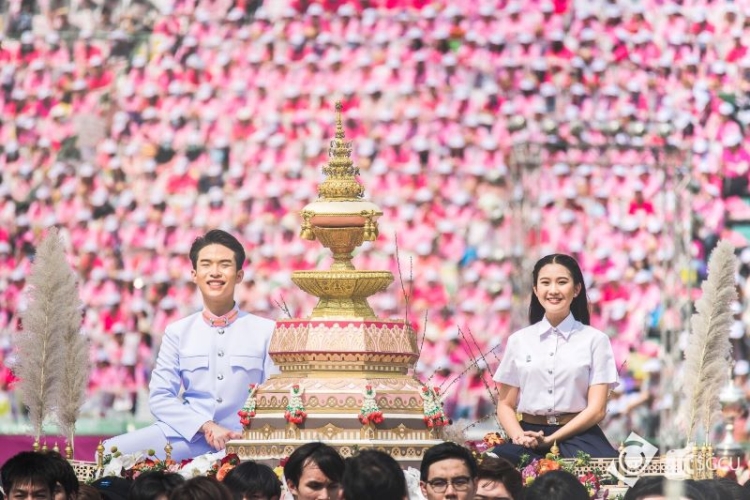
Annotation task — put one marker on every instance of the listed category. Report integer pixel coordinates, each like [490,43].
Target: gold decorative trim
[85,471]
[407,454]
[332,405]
[393,385]
[342,432]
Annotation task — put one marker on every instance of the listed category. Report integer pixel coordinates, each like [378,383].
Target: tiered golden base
[334,363]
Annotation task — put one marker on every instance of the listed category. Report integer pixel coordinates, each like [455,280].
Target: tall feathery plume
[71,394]
[708,346]
[51,313]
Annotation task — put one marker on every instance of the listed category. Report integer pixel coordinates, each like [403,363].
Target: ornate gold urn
[346,375]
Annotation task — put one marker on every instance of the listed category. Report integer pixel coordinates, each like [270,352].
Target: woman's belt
[559,419]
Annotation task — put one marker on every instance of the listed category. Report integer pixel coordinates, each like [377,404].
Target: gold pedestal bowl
[342,293]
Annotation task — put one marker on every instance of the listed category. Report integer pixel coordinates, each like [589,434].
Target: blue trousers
[593,442]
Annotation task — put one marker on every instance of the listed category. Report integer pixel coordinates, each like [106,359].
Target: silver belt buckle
[552,420]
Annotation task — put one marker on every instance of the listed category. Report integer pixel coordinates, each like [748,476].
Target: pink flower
[529,473]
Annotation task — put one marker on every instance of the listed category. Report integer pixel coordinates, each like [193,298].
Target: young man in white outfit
[213,355]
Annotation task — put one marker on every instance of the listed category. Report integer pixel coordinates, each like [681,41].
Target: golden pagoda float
[346,375]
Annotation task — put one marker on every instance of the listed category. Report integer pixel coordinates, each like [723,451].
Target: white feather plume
[708,349]
[52,310]
[71,392]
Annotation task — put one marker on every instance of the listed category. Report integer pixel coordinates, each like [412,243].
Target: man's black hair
[153,485]
[250,478]
[556,485]
[373,475]
[446,451]
[65,475]
[28,468]
[502,470]
[218,237]
[325,457]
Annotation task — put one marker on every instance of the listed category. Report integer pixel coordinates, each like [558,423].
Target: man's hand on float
[217,436]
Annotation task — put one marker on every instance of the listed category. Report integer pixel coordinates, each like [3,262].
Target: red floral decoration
[434,416]
[295,410]
[222,467]
[248,410]
[370,413]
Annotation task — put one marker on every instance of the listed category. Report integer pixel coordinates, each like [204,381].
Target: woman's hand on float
[537,440]
[546,442]
[525,441]
[529,439]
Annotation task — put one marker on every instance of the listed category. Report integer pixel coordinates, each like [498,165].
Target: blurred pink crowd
[221,117]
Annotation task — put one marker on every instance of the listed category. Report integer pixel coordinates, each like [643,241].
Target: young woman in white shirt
[556,374]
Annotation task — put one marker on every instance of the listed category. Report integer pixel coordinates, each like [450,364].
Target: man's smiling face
[216,274]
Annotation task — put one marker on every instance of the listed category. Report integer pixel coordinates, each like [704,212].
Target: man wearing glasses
[448,471]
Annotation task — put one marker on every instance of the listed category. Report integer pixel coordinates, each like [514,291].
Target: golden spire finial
[341,174]
[339,121]
[100,455]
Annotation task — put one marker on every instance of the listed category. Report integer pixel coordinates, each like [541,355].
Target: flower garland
[248,410]
[434,416]
[481,448]
[295,410]
[591,480]
[370,413]
[530,470]
[222,467]
[131,466]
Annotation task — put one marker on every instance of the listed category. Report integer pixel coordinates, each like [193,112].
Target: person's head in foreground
[88,492]
[201,488]
[29,476]
[498,479]
[448,471]
[559,290]
[154,485]
[253,481]
[660,488]
[66,487]
[727,488]
[373,475]
[314,472]
[113,487]
[556,485]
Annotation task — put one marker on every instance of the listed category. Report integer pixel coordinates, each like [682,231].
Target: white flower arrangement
[412,484]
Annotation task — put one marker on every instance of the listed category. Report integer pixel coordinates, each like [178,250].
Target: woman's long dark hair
[580,305]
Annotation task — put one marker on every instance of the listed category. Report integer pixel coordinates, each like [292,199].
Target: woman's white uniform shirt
[553,367]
